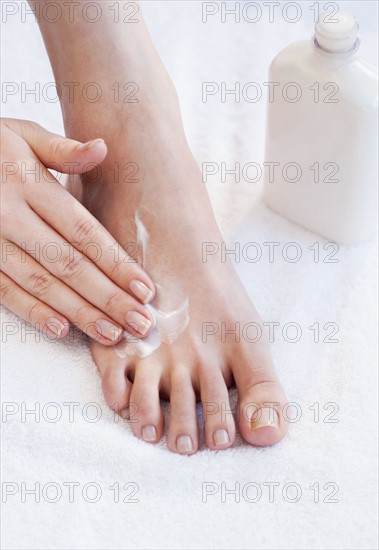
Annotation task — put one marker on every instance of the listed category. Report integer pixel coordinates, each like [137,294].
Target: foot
[151,198]
[205,347]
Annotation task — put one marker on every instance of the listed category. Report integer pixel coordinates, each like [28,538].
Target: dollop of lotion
[170,312]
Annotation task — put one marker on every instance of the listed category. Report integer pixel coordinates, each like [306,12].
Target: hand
[58,263]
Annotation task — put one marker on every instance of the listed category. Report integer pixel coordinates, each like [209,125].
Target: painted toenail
[263,418]
[149,433]
[184,444]
[221,437]
[137,321]
[141,291]
[108,330]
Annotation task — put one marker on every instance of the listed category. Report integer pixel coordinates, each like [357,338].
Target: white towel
[326,463]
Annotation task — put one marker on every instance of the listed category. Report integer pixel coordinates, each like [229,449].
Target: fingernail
[264,417]
[184,444]
[149,433]
[55,325]
[221,437]
[141,291]
[89,144]
[108,330]
[137,321]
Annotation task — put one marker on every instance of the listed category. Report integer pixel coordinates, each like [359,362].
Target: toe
[183,433]
[219,428]
[261,400]
[115,384]
[147,421]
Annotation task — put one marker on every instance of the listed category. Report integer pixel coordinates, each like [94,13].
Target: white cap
[339,33]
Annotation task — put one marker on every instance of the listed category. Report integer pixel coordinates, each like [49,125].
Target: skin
[169,186]
[50,287]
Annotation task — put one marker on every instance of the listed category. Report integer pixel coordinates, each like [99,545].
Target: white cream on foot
[170,310]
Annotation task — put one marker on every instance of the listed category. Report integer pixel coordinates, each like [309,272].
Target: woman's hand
[59,265]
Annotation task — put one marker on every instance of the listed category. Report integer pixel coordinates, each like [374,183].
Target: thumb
[59,153]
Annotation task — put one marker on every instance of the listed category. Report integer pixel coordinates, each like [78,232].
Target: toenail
[141,291]
[264,417]
[184,444]
[108,330]
[221,437]
[137,321]
[149,433]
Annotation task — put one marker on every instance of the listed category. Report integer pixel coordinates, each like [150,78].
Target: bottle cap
[339,33]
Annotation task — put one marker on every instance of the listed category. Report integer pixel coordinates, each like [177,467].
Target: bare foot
[166,211]
[151,192]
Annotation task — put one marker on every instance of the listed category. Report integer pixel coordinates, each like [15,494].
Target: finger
[62,154]
[72,220]
[32,310]
[70,266]
[38,282]
[66,215]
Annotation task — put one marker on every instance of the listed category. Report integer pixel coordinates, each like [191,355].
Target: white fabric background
[170,512]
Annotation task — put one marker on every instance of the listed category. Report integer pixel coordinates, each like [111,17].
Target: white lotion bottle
[322,134]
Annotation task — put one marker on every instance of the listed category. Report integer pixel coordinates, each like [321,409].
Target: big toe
[261,401]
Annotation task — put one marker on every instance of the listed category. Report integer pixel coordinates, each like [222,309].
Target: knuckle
[113,301]
[144,410]
[36,313]
[40,283]
[84,231]
[28,128]
[6,289]
[31,124]
[83,316]
[57,146]
[5,124]
[71,265]
[116,271]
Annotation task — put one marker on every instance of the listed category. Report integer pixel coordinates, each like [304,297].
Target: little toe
[183,433]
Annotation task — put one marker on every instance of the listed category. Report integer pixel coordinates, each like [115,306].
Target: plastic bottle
[321,137]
